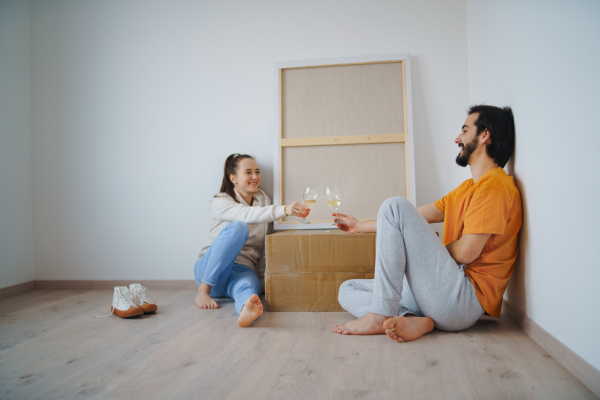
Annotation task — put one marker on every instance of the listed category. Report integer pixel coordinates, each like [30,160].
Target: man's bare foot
[203,299]
[370,324]
[252,310]
[405,329]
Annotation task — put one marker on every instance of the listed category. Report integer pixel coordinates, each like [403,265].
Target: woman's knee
[239,228]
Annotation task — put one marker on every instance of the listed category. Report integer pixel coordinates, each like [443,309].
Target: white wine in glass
[334,203]
[310,203]
[309,195]
[333,195]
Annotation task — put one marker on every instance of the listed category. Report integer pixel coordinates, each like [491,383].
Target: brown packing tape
[307,291]
[335,251]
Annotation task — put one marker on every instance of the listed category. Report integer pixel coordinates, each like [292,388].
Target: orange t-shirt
[490,205]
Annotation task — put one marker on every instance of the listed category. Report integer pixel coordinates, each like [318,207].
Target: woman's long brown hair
[231,167]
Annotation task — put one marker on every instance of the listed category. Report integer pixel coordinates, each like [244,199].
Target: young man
[421,283]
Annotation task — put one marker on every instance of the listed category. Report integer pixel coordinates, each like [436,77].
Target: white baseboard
[17,289]
[586,373]
[180,284]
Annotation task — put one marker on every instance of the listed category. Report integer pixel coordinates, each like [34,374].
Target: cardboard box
[305,269]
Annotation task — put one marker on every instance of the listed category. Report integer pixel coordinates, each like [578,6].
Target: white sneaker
[140,299]
[123,305]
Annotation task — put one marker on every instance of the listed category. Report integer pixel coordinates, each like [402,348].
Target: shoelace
[142,295]
[127,299]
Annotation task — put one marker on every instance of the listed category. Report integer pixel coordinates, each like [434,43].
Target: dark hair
[501,125]
[231,167]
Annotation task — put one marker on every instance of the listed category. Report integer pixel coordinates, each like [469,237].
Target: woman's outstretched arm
[224,208]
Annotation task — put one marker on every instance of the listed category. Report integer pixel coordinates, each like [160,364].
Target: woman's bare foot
[405,329]
[252,310]
[203,299]
[370,324]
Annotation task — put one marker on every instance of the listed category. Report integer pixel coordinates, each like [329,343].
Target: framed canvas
[344,122]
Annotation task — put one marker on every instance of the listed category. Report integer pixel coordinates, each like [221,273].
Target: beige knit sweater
[258,216]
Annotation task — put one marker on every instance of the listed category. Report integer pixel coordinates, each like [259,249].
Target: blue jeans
[216,267]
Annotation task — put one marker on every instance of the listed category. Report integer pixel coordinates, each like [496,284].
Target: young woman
[229,263]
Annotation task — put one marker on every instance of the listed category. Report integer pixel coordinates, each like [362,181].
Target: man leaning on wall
[421,283]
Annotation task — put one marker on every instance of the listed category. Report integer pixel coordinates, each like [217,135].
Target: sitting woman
[229,263]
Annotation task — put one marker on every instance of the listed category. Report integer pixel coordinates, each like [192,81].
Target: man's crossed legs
[417,285]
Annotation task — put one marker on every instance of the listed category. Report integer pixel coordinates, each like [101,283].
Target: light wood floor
[51,347]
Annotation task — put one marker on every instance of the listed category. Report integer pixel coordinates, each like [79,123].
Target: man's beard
[462,158]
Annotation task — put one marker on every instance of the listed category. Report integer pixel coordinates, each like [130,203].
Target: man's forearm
[431,213]
[466,249]
[456,252]
[367,226]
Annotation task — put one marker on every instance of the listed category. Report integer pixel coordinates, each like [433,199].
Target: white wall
[137,104]
[16,226]
[542,58]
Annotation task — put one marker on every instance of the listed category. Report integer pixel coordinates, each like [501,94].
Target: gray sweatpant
[414,274]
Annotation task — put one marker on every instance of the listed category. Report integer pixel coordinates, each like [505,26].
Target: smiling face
[468,140]
[247,177]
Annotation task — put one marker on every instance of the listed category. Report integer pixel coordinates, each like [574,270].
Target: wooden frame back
[290,141]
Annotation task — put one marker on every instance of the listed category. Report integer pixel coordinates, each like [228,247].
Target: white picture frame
[280,67]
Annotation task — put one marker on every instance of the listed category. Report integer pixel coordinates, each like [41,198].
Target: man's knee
[396,202]
[394,205]
[239,228]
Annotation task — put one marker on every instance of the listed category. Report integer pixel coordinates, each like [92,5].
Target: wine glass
[309,195]
[333,195]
